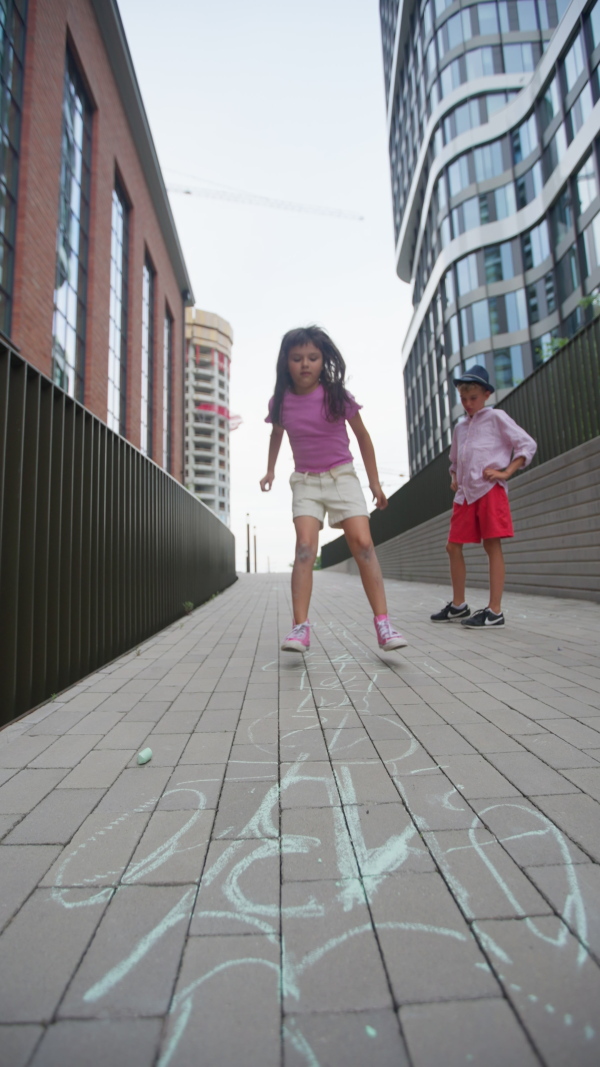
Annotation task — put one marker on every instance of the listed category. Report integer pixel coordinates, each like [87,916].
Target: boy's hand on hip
[267,481]
[381,500]
[493,475]
[453,485]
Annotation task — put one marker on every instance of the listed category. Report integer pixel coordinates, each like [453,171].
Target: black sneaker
[484,617]
[451,614]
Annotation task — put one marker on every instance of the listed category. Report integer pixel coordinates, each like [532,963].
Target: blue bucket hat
[477,375]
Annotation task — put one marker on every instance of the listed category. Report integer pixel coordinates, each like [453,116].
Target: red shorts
[487,517]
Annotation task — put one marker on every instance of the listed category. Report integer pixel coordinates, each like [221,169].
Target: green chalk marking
[145,755]
[370,1031]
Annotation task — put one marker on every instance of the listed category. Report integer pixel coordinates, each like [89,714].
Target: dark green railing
[99,547]
[559,405]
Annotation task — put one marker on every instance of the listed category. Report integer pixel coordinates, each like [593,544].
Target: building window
[167,388]
[70,290]
[12,47]
[147,357]
[117,337]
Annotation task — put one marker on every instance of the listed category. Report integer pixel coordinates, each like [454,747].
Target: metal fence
[559,405]
[99,547]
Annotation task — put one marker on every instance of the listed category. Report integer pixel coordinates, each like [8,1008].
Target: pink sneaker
[298,640]
[387,636]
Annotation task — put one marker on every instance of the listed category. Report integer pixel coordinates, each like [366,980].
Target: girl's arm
[368,454]
[274,446]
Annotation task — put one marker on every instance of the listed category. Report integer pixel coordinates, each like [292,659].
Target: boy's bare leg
[360,543]
[458,572]
[493,547]
[307,545]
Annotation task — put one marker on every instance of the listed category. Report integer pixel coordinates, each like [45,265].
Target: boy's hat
[477,375]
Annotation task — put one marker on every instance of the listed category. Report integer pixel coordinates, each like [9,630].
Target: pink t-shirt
[317,445]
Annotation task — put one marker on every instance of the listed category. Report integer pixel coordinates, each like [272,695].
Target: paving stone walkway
[348,859]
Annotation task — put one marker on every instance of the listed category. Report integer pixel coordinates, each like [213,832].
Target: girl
[311,403]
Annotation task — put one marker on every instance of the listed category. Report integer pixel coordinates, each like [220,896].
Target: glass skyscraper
[494,128]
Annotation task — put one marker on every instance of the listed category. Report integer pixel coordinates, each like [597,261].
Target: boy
[487,448]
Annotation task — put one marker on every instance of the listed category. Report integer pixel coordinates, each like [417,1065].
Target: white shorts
[337,492]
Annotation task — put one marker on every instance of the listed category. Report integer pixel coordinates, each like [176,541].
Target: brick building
[93,285]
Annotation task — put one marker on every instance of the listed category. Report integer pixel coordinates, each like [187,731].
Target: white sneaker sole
[391,646]
[294,646]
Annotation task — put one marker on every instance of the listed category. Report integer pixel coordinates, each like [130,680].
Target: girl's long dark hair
[332,375]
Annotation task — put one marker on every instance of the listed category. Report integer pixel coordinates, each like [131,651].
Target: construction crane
[239,196]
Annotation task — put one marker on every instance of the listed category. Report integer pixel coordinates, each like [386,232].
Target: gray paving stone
[215,721]
[576,733]
[91,1042]
[145,925]
[177,722]
[17,1043]
[207,747]
[86,701]
[242,971]
[41,947]
[61,720]
[574,892]
[189,703]
[6,773]
[364,780]
[97,722]
[121,702]
[228,702]
[558,753]
[529,774]
[22,751]
[587,780]
[442,740]
[578,816]
[7,822]
[344,1040]
[99,852]
[21,868]
[25,790]
[264,731]
[557,1005]
[240,889]
[416,918]
[246,764]
[99,768]
[126,735]
[332,961]
[56,817]
[511,722]
[66,751]
[172,849]
[526,833]
[149,711]
[316,845]
[486,882]
[308,785]
[405,756]
[435,803]
[193,786]
[474,776]
[344,718]
[467,1031]
[386,840]
[488,738]
[349,744]
[136,789]
[247,810]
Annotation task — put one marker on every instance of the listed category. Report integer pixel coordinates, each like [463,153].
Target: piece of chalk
[145,755]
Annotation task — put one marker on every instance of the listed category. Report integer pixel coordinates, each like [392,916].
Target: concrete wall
[556,548]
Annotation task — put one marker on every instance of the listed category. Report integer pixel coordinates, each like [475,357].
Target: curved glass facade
[498,230]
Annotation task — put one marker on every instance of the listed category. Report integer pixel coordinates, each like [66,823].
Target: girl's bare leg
[493,547]
[360,543]
[307,544]
[458,572]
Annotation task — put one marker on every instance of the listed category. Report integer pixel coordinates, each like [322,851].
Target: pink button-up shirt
[489,438]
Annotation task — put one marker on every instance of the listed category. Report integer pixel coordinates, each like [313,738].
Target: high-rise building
[494,123]
[209,339]
[93,282]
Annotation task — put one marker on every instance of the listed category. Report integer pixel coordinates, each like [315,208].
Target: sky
[283,100]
